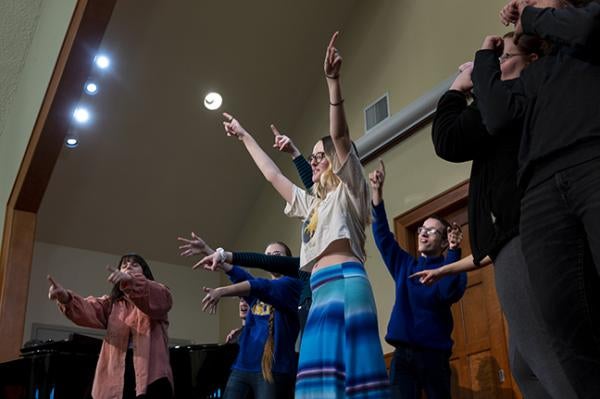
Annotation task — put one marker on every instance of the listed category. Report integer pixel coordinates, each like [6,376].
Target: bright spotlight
[213,101]
[102,61]
[91,88]
[81,115]
[71,143]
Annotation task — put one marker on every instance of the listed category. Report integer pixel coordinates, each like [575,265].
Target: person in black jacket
[559,171]
[459,135]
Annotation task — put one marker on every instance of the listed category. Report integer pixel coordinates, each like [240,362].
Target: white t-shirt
[343,214]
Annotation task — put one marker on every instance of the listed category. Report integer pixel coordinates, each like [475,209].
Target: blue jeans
[414,370]
[560,236]
[243,385]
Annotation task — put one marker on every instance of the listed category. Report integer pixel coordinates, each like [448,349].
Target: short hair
[444,222]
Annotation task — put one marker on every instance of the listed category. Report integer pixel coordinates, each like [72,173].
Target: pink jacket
[141,313]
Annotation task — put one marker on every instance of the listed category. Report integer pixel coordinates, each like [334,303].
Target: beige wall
[53,21]
[402,48]
[85,272]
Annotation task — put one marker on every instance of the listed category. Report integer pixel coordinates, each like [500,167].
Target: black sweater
[558,96]
[459,135]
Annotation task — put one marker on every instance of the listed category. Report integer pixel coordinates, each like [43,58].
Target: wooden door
[479,362]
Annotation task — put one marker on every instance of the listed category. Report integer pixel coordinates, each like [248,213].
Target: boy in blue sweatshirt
[421,322]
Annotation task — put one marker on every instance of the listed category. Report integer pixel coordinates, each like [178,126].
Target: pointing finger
[275,130]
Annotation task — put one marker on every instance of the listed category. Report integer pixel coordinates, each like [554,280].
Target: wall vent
[377,112]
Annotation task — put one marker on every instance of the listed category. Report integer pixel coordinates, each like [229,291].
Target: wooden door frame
[75,60]
[405,226]
[450,200]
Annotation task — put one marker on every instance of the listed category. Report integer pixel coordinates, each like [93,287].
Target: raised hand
[211,300]
[510,13]
[117,276]
[56,292]
[463,81]
[284,144]
[427,277]
[194,246]
[377,177]
[493,43]
[233,127]
[455,236]
[333,59]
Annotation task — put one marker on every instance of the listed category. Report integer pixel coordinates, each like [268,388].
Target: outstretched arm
[338,127]
[466,264]
[266,165]
[214,295]
[284,144]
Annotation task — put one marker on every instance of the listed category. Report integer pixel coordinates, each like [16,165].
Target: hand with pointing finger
[376,179]
[233,127]
[56,292]
[428,277]
[117,276]
[333,59]
[284,144]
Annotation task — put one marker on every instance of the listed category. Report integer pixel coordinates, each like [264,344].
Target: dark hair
[444,222]
[288,251]
[116,292]
[531,44]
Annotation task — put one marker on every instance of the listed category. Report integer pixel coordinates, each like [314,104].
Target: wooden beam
[75,60]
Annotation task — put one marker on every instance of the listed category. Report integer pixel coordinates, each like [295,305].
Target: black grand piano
[65,370]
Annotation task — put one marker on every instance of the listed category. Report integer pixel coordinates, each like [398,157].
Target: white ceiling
[153,163]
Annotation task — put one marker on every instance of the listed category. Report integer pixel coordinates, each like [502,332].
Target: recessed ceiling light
[102,61]
[213,101]
[81,115]
[71,143]
[91,88]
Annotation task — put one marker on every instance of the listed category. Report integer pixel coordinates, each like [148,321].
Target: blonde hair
[326,183]
[268,352]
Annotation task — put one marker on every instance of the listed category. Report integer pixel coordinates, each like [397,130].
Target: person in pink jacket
[134,359]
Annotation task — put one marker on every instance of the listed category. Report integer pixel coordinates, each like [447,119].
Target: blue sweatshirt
[421,315]
[281,294]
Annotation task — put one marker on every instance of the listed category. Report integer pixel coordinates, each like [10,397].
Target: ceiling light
[81,115]
[71,143]
[102,61]
[91,88]
[213,101]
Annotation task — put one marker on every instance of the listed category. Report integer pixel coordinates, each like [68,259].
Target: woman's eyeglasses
[317,157]
[506,56]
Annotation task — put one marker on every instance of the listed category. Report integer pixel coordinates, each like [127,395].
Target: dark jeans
[414,370]
[560,234]
[159,389]
[242,385]
[533,362]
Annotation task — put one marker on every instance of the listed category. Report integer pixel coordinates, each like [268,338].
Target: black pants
[414,370]
[159,389]
[560,234]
